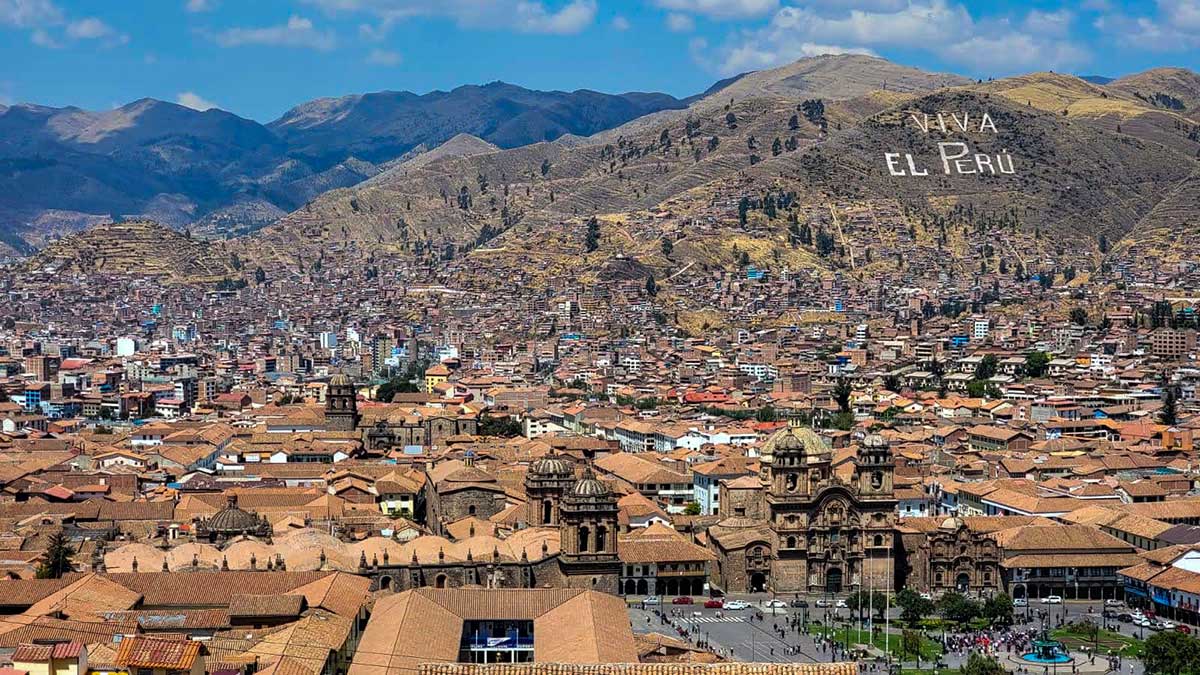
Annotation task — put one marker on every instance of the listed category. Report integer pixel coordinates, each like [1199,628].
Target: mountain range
[65,168]
[1055,170]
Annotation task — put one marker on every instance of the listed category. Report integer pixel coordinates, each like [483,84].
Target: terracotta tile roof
[31,653]
[266,605]
[1118,560]
[147,652]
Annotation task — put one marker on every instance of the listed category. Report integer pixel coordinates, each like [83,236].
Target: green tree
[1036,364]
[891,383]
[1171,653]
[979,664]
[667,247]
[1169,415]
[913,608]
[545,167]
[766,414]
[591,240]
[1079,316]
[957,607]
[508,427]
[999,609]
[58,560]
[691,509]
[987,367]
[842,393]
[910,645]
[651,286]
[867,600]
[260,277]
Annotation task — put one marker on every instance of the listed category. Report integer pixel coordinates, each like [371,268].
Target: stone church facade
[813,532]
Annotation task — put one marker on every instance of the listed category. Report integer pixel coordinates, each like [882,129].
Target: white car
[774,603]
[652,600]
[1167,625]
[840,604]
[926,596]
[1143,622]
[1113,602]
[736,605]
[824,603]
[1020,602]
[1052,600]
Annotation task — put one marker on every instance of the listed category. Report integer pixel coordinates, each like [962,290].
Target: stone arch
[440,581]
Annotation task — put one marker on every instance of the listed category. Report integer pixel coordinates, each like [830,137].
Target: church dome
[795,440]
[590,486]
[232,520]
[951,523]
[339,380]
[874,441]
[551,465]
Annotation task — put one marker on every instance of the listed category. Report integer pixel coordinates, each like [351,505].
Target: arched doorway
[697,587]
[439,581]
[758,582]
[385,583]
[833,580]
[643,588]
[962,583]
[630,587]
[672,587]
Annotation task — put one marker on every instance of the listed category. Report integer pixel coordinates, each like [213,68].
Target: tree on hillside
[591,240]
[842,393]
[1169,415]
[651,286]
[58,560]
[987,367]
[667,247]
[545,167]
[1079,316]
[1036,364]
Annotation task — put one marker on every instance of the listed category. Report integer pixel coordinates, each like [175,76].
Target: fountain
[1047,652]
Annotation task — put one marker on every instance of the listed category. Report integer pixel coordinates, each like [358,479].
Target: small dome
[590,486]
[551,465]
[951,523]
[874,441]
[232,519]
[794,440]
[340,380]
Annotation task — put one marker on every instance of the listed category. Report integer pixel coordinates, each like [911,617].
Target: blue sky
[257,58]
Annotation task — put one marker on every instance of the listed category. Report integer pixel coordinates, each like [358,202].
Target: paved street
[740,636]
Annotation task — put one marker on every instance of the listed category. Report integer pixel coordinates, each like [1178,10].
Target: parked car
[927,596]
[1184,629]
[737,605]
[1143,622]
[800,604]
[824,603]
[1052,600]
[1124,616]
[1020,602]
[652,600]
[774,603]
[1113,602]
[682,600]
[840,604]
[1110,613]
[714,603]
[1167,625]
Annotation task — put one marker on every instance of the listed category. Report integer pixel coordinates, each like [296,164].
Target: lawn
[930,650]
[1075,639]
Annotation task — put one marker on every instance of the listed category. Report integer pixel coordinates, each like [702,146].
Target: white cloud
[620,23]
[191,99]
[721,9]
[1057,23]
[29,13]
[297,32]
[1175,26]
[42,38]
[384,57]
[91,28]
[533,17]
[528,16]
[680,23]
[944,29]
[196,6]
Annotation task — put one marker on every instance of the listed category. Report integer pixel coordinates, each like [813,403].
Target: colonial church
[804,528]
[388,426]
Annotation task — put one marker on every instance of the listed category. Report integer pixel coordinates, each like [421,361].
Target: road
[739,636]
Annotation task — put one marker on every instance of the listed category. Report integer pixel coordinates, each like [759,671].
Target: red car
[682,600]
[715,603]
[1183,629]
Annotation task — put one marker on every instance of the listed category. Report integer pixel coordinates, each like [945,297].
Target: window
[601,538]
[471,510]
[879,540]
[583,538]
[791,542]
